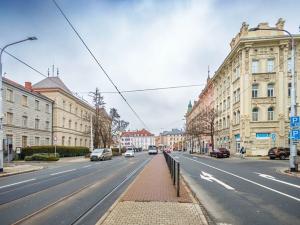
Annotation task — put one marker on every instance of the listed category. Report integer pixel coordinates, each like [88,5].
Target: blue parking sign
[295,121]
[295,135]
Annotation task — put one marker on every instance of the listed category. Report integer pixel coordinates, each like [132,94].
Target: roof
[21,87]
[52,82]
[137,133]
[172,132]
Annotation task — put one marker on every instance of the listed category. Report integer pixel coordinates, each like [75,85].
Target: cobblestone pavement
[151,199]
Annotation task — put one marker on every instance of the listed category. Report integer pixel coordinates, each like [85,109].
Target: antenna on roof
[208,72]
[53,70]
[48,72]
[57,72]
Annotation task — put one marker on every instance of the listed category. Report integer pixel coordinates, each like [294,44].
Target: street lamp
[1,106]
[293,150]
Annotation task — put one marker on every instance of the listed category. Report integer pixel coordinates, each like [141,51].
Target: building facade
[168,139]
[27,117]
[71,115]
[252,90]
[138,139]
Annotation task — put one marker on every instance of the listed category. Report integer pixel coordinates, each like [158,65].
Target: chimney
[28,86]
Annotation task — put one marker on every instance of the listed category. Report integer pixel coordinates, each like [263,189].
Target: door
[238,146]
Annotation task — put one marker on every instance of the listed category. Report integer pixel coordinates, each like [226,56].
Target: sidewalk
[151,199]
[13,169]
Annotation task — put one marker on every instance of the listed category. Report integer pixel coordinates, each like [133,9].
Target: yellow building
[71,115]
[252,90]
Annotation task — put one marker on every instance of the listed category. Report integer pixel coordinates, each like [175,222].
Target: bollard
[174,172]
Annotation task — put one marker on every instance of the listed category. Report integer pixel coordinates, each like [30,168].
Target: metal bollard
[174,172]
[178,179]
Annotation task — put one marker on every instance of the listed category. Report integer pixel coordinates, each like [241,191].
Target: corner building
[252,90]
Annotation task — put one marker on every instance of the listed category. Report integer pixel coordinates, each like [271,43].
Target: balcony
[267,77]
[263,100]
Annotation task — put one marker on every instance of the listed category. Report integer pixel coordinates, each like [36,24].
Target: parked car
[220,153]
[129,153]
[101,154]
[152,149]
[168,150]
[280,152]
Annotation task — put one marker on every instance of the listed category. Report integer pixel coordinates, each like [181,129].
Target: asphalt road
[67,193]
[237,191]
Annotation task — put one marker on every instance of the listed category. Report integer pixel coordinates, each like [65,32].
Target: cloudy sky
[141,44]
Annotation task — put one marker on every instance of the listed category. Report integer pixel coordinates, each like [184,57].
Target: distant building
[71,115]
[27,116]
[170,138]
[139,139]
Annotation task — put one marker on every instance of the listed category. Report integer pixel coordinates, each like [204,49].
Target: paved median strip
[66,171]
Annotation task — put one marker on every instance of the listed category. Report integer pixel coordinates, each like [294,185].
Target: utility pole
[1,102]
[92,141]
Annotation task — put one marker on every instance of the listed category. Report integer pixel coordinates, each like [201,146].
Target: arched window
[234,117]
[271,113]
[238,117]
[255,114]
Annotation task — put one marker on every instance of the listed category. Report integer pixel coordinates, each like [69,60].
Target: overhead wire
[99,64]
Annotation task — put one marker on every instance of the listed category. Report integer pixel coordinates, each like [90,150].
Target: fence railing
[174,167]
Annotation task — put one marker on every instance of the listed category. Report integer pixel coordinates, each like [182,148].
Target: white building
[138,139]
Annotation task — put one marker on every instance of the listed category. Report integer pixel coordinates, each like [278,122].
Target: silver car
[101,154]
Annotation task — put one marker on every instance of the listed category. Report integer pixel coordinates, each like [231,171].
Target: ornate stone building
[252,90]
[138,139]
[71,115]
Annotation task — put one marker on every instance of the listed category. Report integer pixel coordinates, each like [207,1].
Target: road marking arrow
[274,179]
[209,177]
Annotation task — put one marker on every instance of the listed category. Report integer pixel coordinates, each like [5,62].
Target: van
[152,149]
[101,154]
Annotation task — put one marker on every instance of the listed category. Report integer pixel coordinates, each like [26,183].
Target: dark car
[280,152]
[220,153]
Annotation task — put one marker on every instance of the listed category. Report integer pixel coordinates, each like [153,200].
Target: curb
[284,171]
[27,171]
[106,214]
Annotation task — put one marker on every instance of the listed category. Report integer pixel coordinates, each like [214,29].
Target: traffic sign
[295,134]
[295,121]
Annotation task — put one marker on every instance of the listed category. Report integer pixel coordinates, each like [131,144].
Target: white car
[129,153]
[152,149]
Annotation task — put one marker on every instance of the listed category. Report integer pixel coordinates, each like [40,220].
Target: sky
[141,44]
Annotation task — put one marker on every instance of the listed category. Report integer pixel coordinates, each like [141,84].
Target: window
[37,124]
[9,118]
[76,110]
[47,141]
[80,142]
[24,121]
[255,66]
[63,122]
[10,95]
[289,89]
[47,108]
[64,104]
[234,96]
[238,117]
[24,100]
[270,113]
[228,102]
[75,141]
[270,90]
[75,125]
[63,140]
[224,105]
[234,117]
[85,142]
[37,105]
[228,121]
[224,122]
[70,124]
[255,114]
[70,107]
[37,141]
[69,141]
[80,127]
[270,65]
[238,95]
[24,141]
[254,90]
[47,125]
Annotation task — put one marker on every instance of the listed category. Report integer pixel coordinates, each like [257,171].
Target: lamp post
[1,106]
[293,151]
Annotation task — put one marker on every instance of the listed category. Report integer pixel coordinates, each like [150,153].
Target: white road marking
[274,179]
[21,182]
[52,174]
[209,177]
[87,166]
[245,179]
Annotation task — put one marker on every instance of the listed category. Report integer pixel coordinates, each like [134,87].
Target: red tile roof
[137,133]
